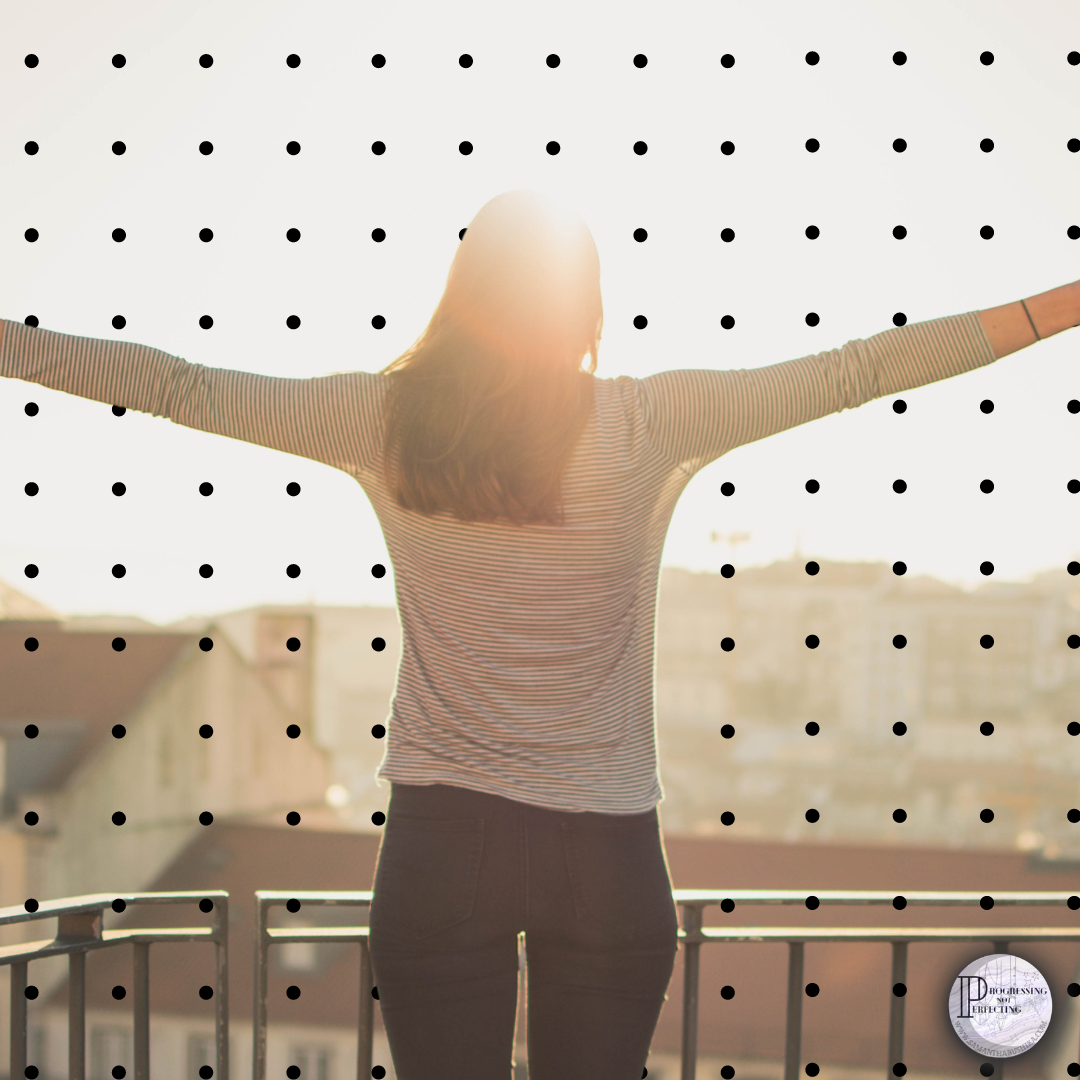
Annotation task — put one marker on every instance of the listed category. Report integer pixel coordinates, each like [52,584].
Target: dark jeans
[459,874]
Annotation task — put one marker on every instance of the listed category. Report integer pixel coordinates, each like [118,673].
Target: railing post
[367,1014]
[142,1010]
[77,1015]
[896,1007]
[691,958]
[258,1060]
[221,996]
[18,1023]
[794,1010]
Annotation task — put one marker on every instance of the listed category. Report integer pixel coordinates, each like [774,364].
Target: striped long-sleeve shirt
[527,651]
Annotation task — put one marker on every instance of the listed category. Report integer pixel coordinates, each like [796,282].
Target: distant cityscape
[987,724]
[946,684]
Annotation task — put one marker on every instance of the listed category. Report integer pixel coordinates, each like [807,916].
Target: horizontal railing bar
[75,905]
[319,933]
[38,950]
[162,933]
[697,897]
[329,896]
[52,947]
[882,933]
[767,933]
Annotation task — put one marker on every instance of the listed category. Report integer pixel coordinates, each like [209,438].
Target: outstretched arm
[1008,329]
[693,416]
[335,419]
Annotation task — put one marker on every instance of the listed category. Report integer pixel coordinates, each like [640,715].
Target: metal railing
[80,930]
[266,936]
[693,935]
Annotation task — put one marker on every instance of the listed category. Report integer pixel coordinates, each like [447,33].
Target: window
[313,1061]
[200,1052]
[110,1046]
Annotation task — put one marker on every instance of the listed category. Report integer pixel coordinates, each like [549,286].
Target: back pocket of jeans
[427,875]
[619,880]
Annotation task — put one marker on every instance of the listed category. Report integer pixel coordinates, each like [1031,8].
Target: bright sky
[509,104]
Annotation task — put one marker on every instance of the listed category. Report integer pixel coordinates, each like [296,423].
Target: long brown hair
[485,408]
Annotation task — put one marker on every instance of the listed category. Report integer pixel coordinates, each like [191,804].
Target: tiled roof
[70,690]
